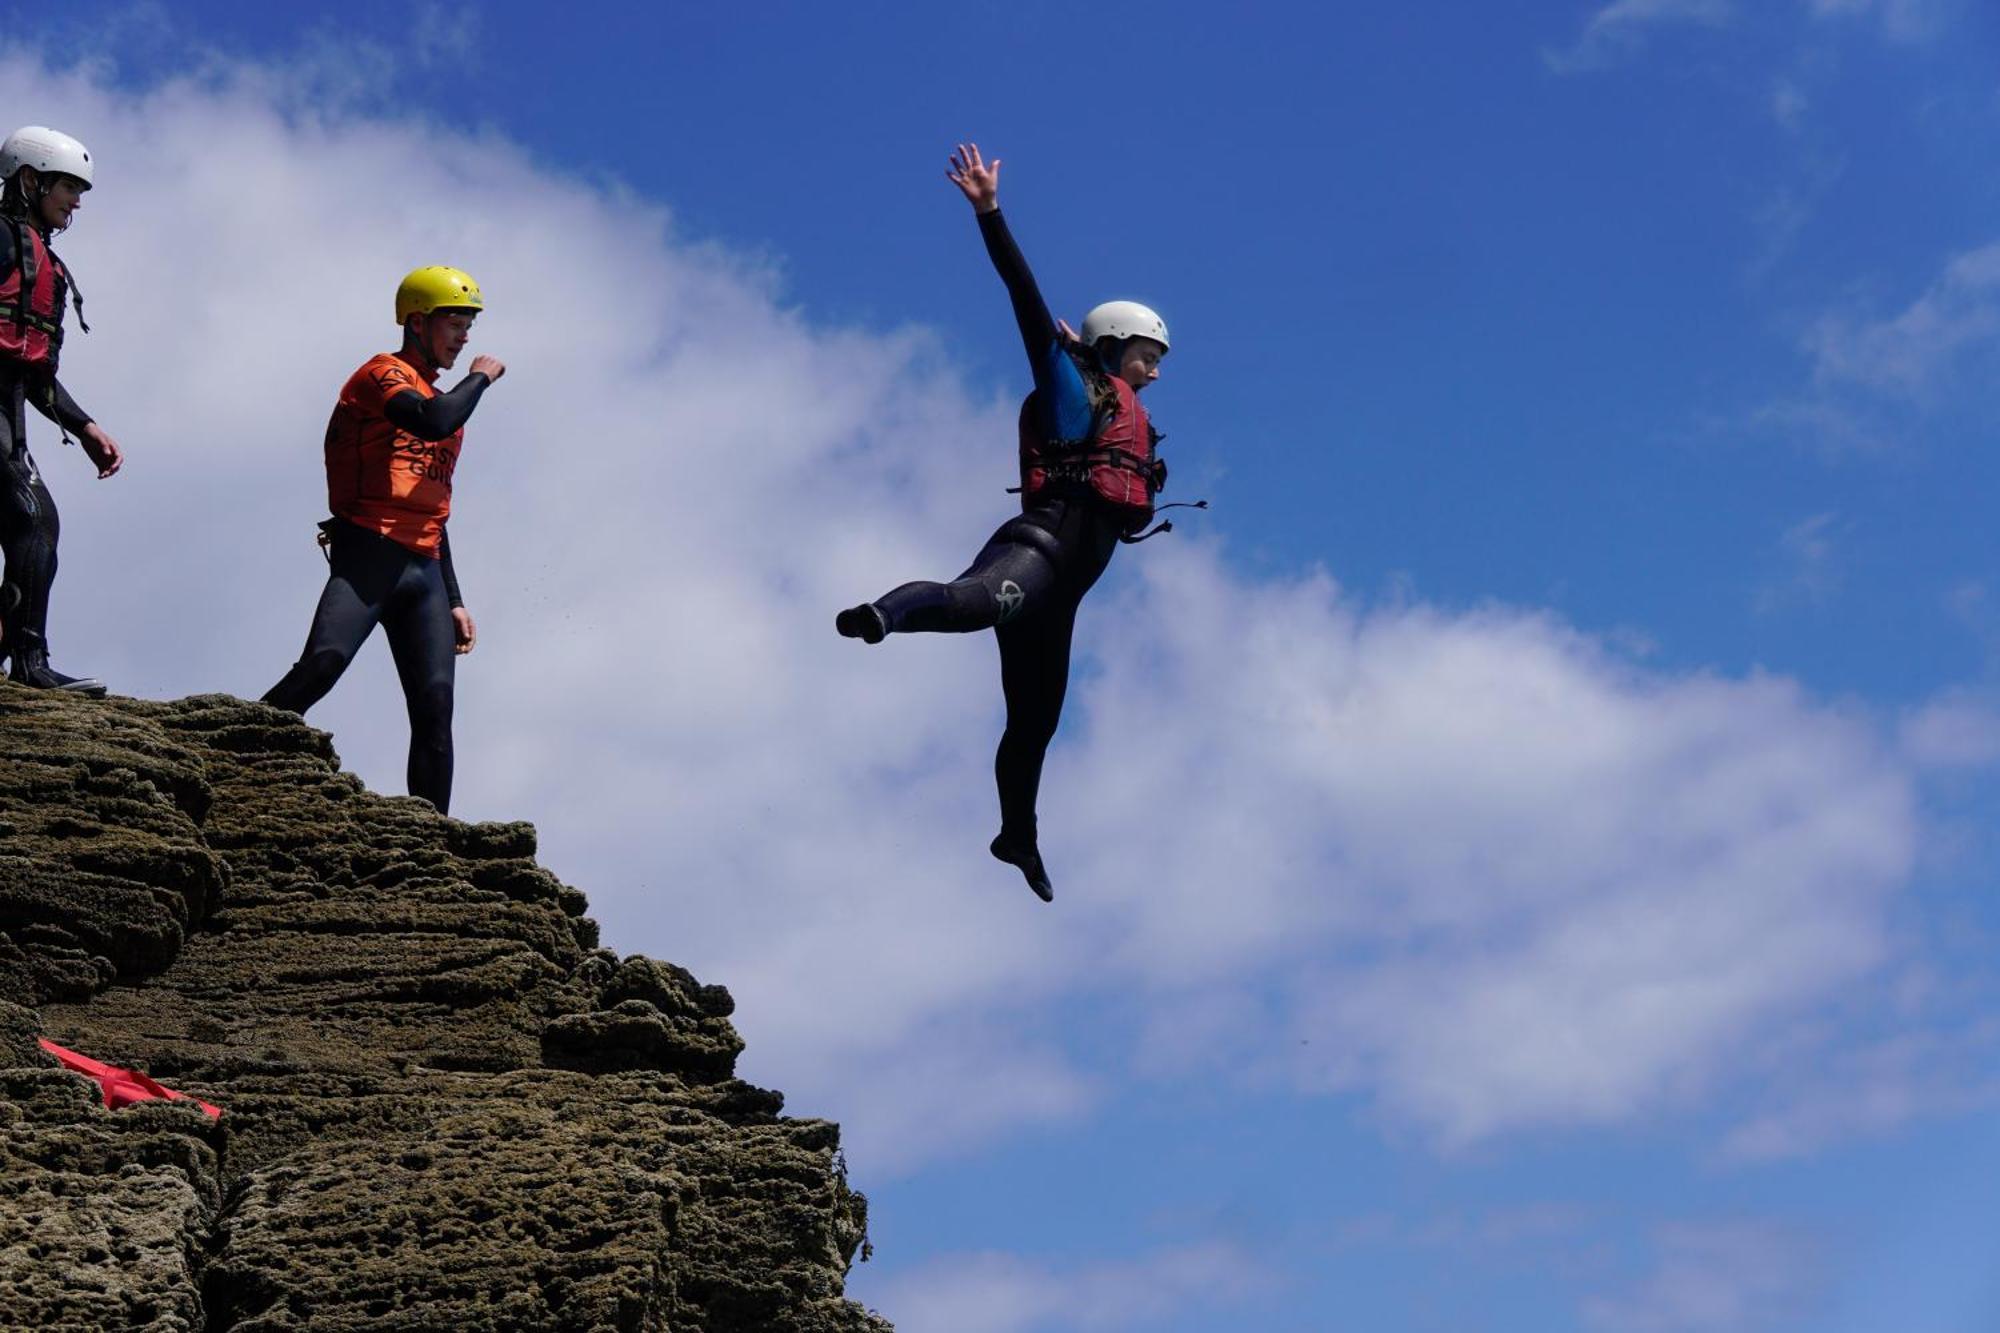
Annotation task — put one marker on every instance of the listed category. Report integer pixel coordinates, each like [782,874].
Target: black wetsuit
[29,527]
[1028,580]
[377,581]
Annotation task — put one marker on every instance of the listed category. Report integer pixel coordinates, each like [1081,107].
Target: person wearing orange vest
[1089,471]
[46,174]
[392,446]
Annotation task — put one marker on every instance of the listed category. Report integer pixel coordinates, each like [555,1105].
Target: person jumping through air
[1089,471]
[391,448]
[46,174]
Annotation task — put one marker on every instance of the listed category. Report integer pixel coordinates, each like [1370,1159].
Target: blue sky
[1555,779]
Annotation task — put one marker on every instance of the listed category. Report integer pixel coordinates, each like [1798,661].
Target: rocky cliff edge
[445,1106]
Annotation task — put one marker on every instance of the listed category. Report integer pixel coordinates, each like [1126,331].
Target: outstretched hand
[102,450]
[979,181]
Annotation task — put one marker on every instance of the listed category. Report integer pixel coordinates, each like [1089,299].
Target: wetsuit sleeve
[450,574]
[60,408]
[439,417]
[6,249]
[1031,312]
[1064,401]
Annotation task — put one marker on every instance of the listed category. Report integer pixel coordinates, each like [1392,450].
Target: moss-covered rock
[446,1107]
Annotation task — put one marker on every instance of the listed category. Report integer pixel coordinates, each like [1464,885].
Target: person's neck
[413,353]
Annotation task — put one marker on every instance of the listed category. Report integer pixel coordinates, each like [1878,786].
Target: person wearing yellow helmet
[392,446]
[45,174]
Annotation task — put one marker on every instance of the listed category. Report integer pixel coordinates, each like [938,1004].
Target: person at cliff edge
[46,174]
[391,448]
[1089,472]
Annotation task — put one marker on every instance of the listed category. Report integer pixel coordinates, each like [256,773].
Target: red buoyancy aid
[122,1087]
[1116,458]
[31,299]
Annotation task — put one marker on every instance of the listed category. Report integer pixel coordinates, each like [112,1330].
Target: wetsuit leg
[29,527]
[1034,677]
[1013,574]
[364,576]
[421,637]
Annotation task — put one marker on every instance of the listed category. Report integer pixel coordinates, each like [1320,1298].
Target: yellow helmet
[435,287]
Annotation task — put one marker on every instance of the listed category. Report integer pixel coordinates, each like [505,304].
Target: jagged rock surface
[446,1107]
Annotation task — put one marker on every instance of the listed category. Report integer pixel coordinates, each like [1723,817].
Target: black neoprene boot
[1022,854]
[28,664]
[864,622]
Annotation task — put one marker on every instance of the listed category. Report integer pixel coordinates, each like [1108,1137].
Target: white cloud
[1716,1277]
[1956,730]
[1620,28]
[1915,352]
[1810,558]
[1505,878]
[1005,1293]
[1900,20]
[1877,380]
[1934,1070]
[1789,102]
[1791,205]
[1491,872]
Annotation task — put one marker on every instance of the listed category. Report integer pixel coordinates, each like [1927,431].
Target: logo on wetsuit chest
[426,459]
[1010,598]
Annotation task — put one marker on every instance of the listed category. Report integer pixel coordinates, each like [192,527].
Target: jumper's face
[1139,362]
[57,209]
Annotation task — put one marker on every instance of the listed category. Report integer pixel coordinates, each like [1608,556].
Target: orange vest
[384,479]
[31,299]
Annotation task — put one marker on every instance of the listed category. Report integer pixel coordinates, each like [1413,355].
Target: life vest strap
[1078,466]
[1164,525]
[18,312]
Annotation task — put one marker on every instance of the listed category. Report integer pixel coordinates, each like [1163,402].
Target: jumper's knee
[321,669]
[1031,734]
[970,602]
[308,681]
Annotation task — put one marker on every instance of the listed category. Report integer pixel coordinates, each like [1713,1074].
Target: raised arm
[1063,400]
[979,181]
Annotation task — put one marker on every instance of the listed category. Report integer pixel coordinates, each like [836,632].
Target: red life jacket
[1116,458]
[31,299]
[122,1087]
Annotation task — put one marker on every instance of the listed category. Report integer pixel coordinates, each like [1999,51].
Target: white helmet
[45,150]
[1123,319]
